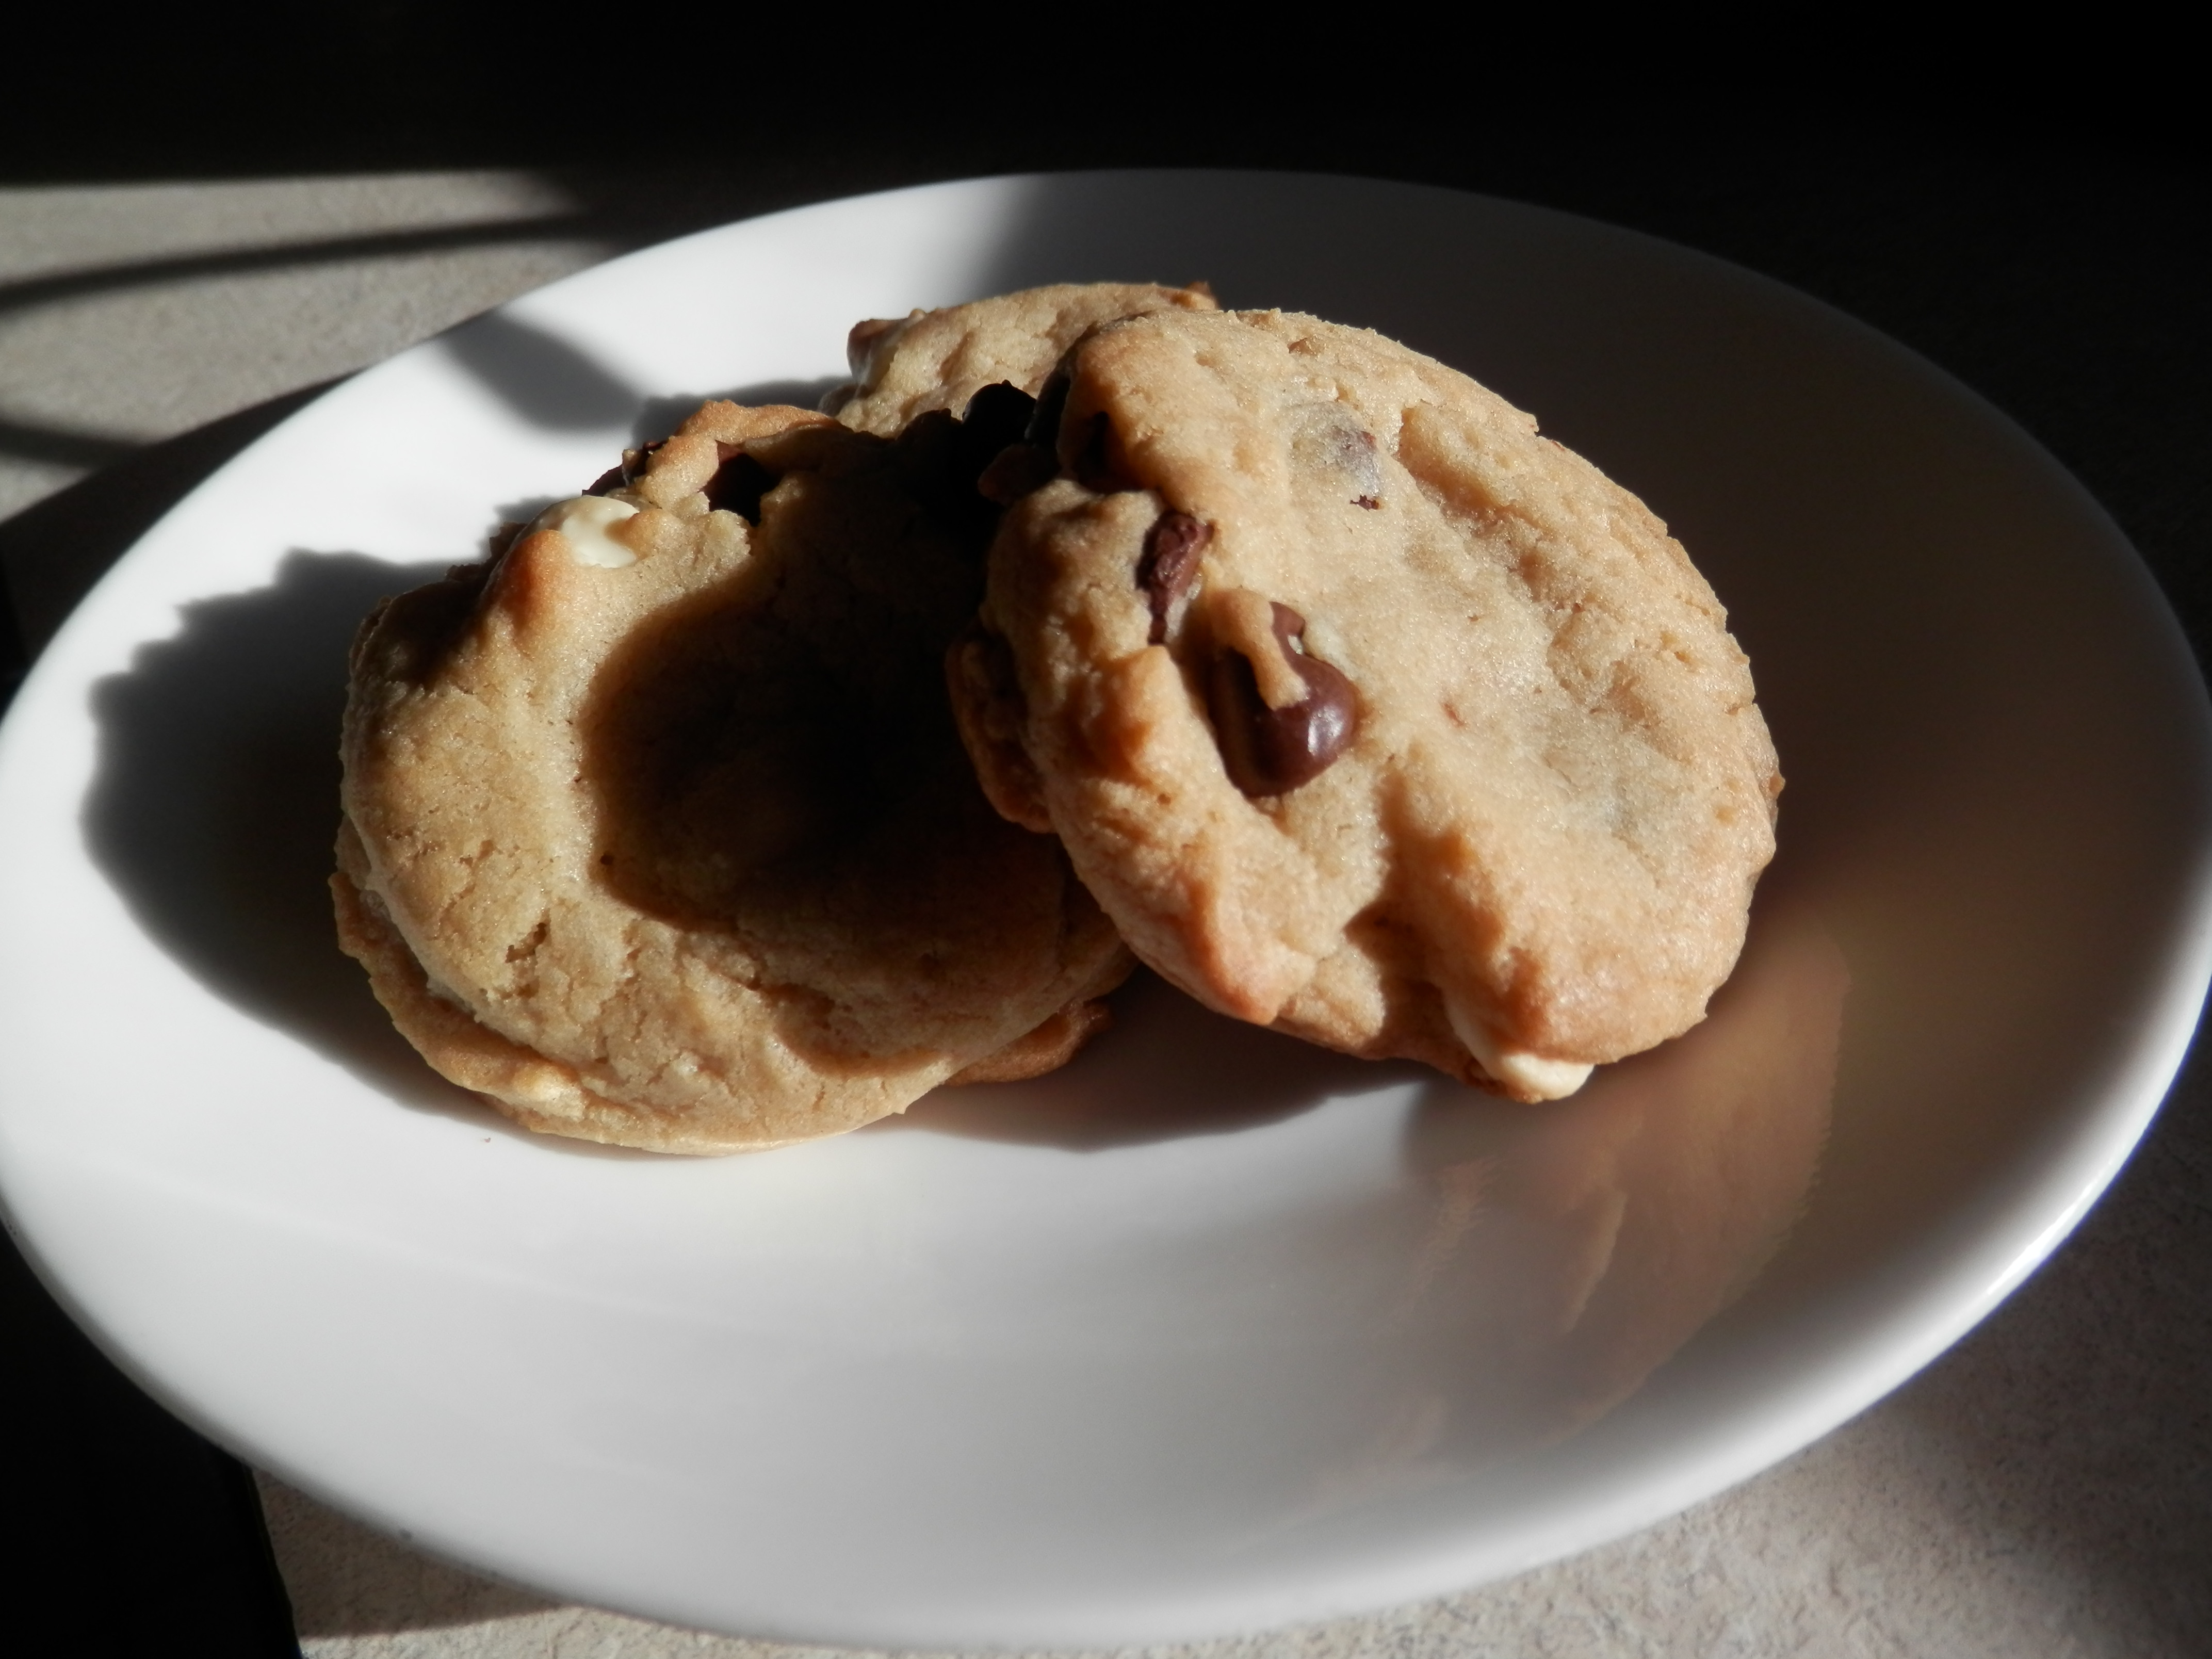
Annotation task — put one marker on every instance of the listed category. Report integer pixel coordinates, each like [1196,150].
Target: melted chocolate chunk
[1172,547]
[1271,751]
[739,484]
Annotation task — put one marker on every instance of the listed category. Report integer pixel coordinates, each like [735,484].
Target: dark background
[2040,232]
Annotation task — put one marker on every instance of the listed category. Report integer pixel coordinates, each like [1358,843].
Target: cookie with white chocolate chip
[1366,712]
[657,829]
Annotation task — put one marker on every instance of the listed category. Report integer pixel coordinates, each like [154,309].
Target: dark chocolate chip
[1271,751]
[1367,501]
[1169,562]
[939,461]
[944,460]
[739,484]
[996,419]
[1044,423]
[995,416]
[1096,464]
[1007,446]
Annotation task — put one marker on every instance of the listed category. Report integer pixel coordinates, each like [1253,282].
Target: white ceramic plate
[1211,1331]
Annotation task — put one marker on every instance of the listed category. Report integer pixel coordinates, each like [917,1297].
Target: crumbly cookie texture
[938,360]
[1366,712]
[657,829]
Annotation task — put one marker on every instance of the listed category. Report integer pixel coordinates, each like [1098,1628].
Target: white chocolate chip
[1532,1074]
[1523,1072]
[583,523]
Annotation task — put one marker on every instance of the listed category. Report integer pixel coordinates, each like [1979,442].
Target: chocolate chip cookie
[1365,711]
[657,831]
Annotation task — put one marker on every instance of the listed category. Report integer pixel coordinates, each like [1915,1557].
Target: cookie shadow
[214,805]
[1169,1069]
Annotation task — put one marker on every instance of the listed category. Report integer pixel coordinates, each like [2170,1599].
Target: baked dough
[1366,712]
[657,829]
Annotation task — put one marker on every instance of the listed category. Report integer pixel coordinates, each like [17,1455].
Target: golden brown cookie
[1366,712]
[658,831]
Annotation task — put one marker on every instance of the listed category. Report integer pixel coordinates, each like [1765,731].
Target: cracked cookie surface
[657,829]
[1367,712]
[904,368]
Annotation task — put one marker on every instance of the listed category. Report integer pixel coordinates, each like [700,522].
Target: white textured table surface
[2046,1488]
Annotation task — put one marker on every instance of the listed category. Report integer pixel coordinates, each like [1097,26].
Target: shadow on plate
[52,553]
[1552,1258]
[1168,1068]
[539,376]
[215,803]
[1645,1205]
[559,386]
